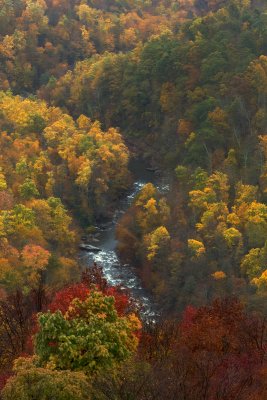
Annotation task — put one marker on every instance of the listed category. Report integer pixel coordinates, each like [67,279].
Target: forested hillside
[86,86]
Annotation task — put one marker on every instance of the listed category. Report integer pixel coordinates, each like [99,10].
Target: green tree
[28,189]
[90,337]
[254,263]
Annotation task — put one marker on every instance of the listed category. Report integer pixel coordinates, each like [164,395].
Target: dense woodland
[86,85]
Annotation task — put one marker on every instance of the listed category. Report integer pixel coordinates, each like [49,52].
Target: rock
[126,265]
[89,248]
[105,226]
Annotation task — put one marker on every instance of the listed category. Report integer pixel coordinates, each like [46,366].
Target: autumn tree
[35,382]
[90,336]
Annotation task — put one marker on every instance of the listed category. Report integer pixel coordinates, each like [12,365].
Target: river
[107,258]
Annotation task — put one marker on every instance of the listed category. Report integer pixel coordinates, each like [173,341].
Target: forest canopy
[86,87]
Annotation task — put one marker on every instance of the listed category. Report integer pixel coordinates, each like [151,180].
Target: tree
[90,336]
[35,260]
[261,282]
[196,247]
[24,270]
[3,184]
[256,224]
[54,221]
[63,298]
[17,312]
[28,190]
[157,242]
[31,382]
[92,278]
[253,263]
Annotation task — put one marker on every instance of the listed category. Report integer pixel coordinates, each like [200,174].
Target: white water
[114,272]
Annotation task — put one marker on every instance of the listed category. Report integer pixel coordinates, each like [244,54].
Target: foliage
[89,337]
[208,354]
[184,84]
[45,384]
[49,159]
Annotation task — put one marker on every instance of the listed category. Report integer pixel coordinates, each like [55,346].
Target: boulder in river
[89,247]
[105,225]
